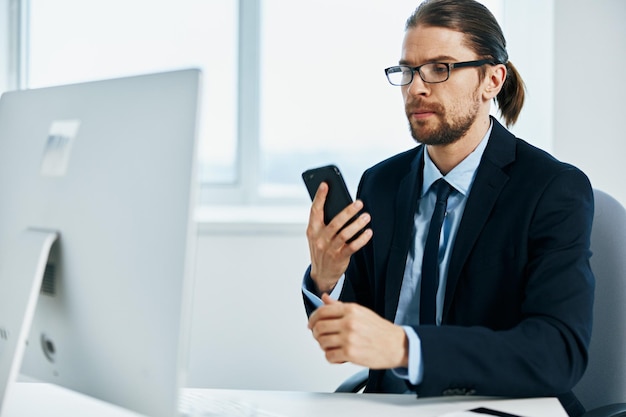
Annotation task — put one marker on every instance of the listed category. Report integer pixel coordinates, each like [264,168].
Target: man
[505,307]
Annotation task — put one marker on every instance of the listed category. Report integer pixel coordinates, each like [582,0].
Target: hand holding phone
[338,196]
[329,260]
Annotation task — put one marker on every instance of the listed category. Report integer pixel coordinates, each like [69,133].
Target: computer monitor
[103,172]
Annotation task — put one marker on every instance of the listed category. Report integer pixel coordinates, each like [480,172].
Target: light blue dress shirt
[461,179]
[407,314]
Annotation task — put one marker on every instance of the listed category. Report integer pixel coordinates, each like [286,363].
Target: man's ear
[494,80]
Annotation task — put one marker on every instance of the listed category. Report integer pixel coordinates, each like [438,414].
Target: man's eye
[439,68]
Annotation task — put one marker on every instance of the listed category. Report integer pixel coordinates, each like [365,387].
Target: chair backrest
[604,381]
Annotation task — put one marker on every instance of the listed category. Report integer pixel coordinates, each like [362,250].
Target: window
[75,40]
[324,95]
[289,84]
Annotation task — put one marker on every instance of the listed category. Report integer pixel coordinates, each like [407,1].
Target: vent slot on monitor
[49,282]
[48,285]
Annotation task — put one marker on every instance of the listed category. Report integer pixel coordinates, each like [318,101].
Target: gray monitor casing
[109,166]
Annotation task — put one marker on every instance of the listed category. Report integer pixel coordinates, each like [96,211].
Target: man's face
[440,113]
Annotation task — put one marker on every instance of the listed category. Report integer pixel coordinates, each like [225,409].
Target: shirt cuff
[414,373]
[309,289]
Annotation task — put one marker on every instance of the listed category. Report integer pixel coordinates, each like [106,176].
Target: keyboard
[199,403]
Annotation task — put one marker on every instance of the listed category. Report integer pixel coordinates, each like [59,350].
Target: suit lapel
[489,181]
[405,206]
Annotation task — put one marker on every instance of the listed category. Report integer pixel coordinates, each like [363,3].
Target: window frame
[244,189]
[13,50]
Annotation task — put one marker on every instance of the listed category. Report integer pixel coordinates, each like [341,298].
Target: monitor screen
[108,168]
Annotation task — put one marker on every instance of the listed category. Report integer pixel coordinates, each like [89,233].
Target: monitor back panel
[110,166]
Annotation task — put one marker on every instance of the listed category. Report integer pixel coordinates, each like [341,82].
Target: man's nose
[417,86]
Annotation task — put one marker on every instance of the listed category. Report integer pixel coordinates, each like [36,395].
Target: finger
[325,321]
[330,341]
[326,312]
[336,356]
[353,229]
[327,299]
[357,243]
[344,216]
[325,328]
[317,207]
[334,349]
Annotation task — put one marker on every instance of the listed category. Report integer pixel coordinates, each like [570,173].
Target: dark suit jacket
[519,296]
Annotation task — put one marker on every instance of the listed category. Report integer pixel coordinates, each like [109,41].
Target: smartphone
[338,196]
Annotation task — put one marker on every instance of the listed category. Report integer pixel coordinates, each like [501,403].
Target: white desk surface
[38,399]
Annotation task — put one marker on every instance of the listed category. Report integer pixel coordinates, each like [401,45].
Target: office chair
[354,383]
[602,389]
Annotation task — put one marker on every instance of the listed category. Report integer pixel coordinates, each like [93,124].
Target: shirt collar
[461,176]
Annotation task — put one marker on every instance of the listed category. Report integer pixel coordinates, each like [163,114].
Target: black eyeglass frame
[449,65]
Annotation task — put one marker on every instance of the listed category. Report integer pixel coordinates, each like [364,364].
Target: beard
[450,129]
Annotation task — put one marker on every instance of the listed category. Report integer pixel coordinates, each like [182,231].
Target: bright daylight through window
[317,67]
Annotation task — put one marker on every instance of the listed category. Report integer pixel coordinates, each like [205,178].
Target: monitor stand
[21,276]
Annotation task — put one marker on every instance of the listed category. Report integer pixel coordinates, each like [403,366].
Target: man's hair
[484,36]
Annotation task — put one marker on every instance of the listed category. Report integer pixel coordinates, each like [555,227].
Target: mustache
[420,105]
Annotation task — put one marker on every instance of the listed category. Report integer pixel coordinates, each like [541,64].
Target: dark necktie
[430,263]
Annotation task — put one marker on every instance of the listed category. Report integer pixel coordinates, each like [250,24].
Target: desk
[39,400]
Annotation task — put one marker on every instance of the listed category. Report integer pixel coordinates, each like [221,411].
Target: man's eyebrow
[439,58]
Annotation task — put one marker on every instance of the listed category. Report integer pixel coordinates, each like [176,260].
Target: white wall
[528,28]
[590,90]
[249,326]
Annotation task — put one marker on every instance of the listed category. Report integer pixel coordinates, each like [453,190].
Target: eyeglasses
[432,73]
